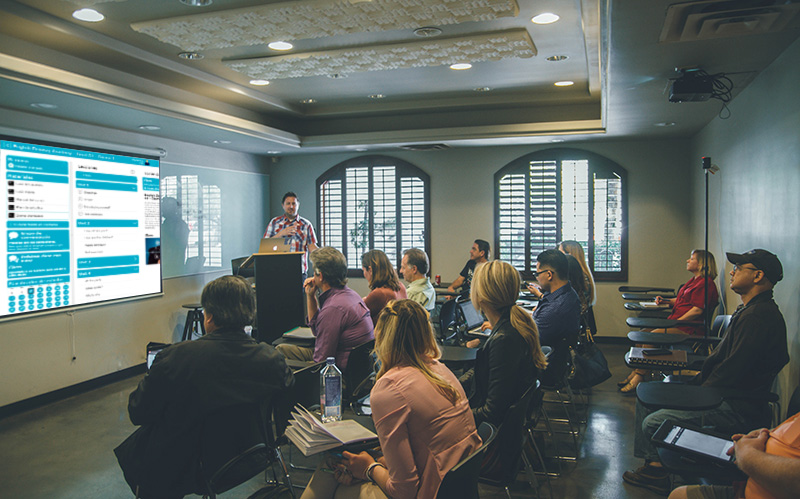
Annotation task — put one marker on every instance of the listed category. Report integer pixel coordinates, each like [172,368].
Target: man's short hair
[230,301]
[289,194]
[417,258]
[331,263]
[483,246]
[556,261]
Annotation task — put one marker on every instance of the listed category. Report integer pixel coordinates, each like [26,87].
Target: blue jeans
[724,419]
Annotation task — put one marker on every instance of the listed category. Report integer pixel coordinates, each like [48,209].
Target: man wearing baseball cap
[752,352]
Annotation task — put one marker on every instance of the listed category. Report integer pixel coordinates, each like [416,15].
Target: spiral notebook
[676,358]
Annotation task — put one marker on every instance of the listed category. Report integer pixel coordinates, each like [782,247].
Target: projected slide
[81,226]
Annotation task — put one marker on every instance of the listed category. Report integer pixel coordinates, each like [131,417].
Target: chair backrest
[462,480]
[359,368]
[501,463]
[234,446]
[447,317]
[719,326]
[306,385]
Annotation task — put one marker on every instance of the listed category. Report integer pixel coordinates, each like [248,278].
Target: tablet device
[694,442]
[152,350]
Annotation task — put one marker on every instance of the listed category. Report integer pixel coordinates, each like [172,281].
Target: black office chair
[236,444]
[462,480]
[358,373]
[504,457]
[447,320]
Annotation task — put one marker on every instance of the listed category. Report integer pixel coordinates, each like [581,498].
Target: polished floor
[64,450]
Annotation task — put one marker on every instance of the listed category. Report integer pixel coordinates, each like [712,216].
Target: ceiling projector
[692,86]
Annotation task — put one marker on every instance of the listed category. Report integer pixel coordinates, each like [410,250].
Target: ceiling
[359,76]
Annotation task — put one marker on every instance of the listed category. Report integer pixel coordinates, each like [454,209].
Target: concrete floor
[64,450]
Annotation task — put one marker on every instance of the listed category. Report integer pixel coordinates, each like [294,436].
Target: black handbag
[589,366]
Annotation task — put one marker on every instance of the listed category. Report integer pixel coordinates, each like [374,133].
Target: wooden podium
[279,293]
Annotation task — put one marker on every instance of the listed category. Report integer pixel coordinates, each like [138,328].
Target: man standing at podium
[298,230]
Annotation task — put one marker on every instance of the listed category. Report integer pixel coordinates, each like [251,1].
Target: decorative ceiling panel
[432,52]
[308,19]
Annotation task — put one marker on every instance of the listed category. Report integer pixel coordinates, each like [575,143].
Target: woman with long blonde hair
[421,415]
[575,249]
[510,360]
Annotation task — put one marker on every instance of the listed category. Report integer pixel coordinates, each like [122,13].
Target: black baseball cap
[761,259]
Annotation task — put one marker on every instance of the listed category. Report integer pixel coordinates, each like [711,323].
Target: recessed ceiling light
[362,149]
[308,101]
[88,15]
[259,83]
[337,76]
[192,56]
[565,83]
[222,141]
[545,18]
[555,141]
[273,152]
[427,31]
[280,46]
[461,66]
[197,3]
[377,96]
[557,58]
[665,123]
[151,128]
[483,89]
[43,105]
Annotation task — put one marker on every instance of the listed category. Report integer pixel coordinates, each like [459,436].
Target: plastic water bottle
[330,391]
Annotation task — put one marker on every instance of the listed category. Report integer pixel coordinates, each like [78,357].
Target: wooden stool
[194,321]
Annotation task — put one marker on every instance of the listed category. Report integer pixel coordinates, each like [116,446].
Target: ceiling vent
[425,147]
[705,20]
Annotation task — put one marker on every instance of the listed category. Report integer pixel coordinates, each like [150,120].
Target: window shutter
[331,227]
[412,213]
[512,220]
[384,208]
[543,199]
[608,224]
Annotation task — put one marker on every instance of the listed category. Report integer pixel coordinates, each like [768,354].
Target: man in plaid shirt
[298,230]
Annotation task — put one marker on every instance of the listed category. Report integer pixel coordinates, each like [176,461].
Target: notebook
[676,358]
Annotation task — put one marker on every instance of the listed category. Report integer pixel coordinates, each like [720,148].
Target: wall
[755,198]
[462,183]
[36,354]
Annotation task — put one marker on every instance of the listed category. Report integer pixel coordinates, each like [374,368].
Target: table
[656,323]
[644,296]
[658,395]
[648,338]
[645,289]
[452,353]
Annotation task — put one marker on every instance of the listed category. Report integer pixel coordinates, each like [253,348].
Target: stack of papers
[652,304]
[299,333]
[312,436]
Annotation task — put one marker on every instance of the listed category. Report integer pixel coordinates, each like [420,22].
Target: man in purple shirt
[558,314]
[338,317]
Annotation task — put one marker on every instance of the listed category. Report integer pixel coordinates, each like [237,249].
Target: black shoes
[654,478]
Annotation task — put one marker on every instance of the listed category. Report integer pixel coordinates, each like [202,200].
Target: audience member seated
[574,249]
[338,317]
[478,253]
[421,416]
[414,266]
[748,358]
[577,281]
[558,314]
[189,380]
[687,306]
[383,281]
[770,459]
[509,361]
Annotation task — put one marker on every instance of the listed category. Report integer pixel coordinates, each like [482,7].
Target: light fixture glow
[191,56]
[377,96]
[88,15]
[259,83]
[460,66]
[43,105]
[665,123]
[280,46]
[222,141]
[151,128]
[483,89]
[557,58]
[565,83]
[545,18]
[197,3]
[308,101]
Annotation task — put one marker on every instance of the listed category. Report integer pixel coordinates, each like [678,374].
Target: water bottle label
[333,396]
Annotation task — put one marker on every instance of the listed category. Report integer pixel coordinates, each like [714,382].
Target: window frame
[403,169]
[596,163]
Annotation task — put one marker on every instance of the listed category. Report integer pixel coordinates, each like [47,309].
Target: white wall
[462,183]
[36,354]
[755,198]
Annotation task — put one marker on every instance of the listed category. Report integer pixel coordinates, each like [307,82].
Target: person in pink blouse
[421,415]
[383,282]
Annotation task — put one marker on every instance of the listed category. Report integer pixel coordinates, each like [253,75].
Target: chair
[237,443]
[359,370]
[462,479]
[447,319]
[503,459]
[236,269]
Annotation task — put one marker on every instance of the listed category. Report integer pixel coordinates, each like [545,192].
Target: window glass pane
[357,215]
[412,209]
[543,206]
[330,230]
[575,202]
[212,230]
[607,224]
[512,220]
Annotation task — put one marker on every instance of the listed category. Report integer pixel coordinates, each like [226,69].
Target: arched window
[374,202]
[558,194]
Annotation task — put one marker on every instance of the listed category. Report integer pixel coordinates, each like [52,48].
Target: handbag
[589,366]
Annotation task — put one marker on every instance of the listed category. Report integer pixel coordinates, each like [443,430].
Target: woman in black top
[509,361]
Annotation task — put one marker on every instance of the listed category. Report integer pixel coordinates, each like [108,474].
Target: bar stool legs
[194,321]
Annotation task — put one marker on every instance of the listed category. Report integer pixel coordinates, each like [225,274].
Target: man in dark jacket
[189,380]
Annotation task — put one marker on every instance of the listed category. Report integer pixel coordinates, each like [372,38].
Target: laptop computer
[473,319]
[274,245]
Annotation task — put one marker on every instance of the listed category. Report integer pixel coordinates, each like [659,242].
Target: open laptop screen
[471,315]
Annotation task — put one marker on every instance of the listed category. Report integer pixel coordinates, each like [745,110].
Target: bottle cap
[330,360]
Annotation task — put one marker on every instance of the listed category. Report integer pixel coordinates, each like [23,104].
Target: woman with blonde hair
[510,360]
[383,282]
[575,249]
[421,416]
